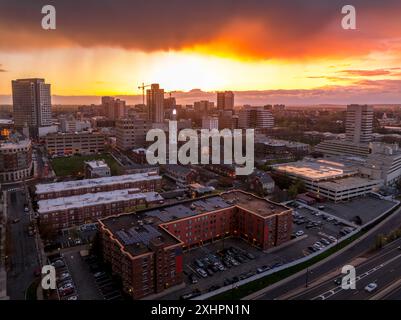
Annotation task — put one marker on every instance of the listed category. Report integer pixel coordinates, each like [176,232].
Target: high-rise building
[225,100]
[210,123]
[131,133]
[114,108]
[31,104]
[155,103]
[255,117]
[203,106]
[359,123]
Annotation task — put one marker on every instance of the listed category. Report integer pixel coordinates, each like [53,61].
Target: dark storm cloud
[276,28]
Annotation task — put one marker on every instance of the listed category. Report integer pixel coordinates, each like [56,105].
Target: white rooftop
[90,199]
[96,164]
[316,170]
[87,183]
[15,145]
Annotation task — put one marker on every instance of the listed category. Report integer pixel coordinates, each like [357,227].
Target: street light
[307,277]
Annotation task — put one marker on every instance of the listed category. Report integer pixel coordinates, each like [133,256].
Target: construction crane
[143,86]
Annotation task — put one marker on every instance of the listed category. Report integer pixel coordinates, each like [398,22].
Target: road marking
[361,277]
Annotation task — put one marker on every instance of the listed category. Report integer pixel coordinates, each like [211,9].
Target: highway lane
[374,265]
[352,251]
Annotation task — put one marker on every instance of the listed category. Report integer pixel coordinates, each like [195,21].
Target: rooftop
[96,164]
[8,145]
[134,231]
[90,199]
[316,169]
[87,183]
[348,183]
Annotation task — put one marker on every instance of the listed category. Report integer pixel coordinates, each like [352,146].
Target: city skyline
[223,46]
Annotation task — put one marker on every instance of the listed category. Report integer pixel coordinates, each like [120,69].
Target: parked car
[201,272]
[193,279]
[262,269]
[16,220]
[199,263]
[299,233]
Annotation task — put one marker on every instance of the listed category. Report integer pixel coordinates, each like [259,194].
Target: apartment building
[63,144]
[146,248]
[66,212]
[148,181]
[131,133]
[15,160]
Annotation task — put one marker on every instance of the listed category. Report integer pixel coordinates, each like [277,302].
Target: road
[382,268]
[334,263]
[22,259]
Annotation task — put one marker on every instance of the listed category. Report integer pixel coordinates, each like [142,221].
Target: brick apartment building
[147,181]
[145,249]
[59,213]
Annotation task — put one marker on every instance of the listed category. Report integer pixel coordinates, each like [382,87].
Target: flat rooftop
[96,164]
[229,199]
[15,145]
[348,183]
[88,183]
[91,199]
[316,170]
[135,231]
[123,226]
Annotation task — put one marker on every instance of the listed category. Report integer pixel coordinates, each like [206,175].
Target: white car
[299,233]
[371,287]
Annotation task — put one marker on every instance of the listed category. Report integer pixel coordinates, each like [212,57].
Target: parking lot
[228,261]
[77,236]
[366,208]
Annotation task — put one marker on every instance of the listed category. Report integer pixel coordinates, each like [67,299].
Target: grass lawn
[74,166]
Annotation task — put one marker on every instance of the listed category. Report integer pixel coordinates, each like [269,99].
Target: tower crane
[143,86]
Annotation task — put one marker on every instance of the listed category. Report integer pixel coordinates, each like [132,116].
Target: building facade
[155,103]
[131,133]
[225,100]
[255,117]
[15,161]
[63,144]
[31,104]
[359,123]
[148,181]
[128,239]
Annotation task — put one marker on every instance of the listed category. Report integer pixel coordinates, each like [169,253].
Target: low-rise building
[145,249]
[75,143]
[66,212]
[183,176]
[96,169]
[147,181]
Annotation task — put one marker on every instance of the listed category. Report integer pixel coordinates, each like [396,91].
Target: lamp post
[307,277]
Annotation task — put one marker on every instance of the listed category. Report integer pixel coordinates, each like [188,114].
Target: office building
[31,104]
[359,123]
[203,106]
[255,117]
[131,133]
[145,249]
[334,179]
[225,100]
[210,123]
[63,144]
[155,103]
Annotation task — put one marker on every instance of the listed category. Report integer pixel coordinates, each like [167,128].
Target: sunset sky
[281,48]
